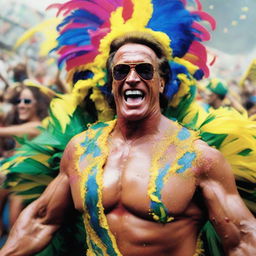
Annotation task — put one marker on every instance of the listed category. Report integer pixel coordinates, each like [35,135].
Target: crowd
[23,109]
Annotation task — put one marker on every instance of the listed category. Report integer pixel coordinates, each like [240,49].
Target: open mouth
[133,96]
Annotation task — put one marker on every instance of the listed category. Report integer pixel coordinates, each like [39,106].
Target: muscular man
[137,179]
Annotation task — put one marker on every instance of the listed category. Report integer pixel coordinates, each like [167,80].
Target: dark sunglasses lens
[16,102]
[27,101]
[145,70]
[120,71]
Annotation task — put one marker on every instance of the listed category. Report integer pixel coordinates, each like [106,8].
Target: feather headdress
[89,26]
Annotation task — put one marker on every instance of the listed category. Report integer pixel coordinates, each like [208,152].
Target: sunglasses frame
[25,101]
[133,66]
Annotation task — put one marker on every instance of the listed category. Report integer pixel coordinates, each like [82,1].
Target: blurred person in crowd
[47,73]
[57,84]
[30,108]
[9,117]
[18,75]
[218,95]
[3,72]
[250,106]
[248,89]
[217,91]
[20,72]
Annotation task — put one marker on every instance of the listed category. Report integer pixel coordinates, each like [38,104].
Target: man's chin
[132,115]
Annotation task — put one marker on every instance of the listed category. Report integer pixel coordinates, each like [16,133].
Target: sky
[233,34]
[41,4]
[233,41]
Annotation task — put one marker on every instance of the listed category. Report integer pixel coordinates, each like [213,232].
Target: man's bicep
[225,207]
[219,187]
[55,201]
[69,164]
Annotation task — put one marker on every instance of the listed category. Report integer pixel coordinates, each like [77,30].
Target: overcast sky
[233,34]
[40,4]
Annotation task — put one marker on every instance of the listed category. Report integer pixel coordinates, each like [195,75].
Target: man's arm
[38,222]
[230,217]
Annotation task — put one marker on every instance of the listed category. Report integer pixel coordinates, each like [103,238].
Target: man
[128,179]
[217,93]
[219,96]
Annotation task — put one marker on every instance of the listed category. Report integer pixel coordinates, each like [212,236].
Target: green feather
[245,152]
[213,139]
[212,245]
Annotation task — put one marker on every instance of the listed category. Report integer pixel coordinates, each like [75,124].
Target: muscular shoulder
[89,134]
[210,159]
[69,156]
[79,142]
[212,166]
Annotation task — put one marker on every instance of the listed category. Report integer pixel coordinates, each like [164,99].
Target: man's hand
[39,221]
[28,235]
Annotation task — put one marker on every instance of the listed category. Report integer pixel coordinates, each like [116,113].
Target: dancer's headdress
[89,27]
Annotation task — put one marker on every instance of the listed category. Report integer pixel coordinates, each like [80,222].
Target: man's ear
[162,84]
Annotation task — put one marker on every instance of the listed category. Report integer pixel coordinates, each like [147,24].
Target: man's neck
[130,130]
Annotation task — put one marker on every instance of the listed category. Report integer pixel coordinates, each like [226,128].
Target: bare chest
[133,177]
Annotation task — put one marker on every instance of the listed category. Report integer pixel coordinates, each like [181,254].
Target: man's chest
[151,175]
[135,178]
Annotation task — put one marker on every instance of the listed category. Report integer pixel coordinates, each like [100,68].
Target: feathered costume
[85,34]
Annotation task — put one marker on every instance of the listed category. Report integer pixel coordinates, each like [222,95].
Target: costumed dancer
[90,32]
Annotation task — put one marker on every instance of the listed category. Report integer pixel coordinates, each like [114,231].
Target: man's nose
[132,77]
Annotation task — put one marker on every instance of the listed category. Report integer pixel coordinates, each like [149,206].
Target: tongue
[136,100]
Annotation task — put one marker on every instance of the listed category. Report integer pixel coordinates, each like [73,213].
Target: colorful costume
[86,32]
[94,150]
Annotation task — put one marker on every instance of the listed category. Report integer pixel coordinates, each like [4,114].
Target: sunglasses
[144,70]
[25,101]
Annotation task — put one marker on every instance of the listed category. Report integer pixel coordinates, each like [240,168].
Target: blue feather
[173,86]
[81,16]
[82,75]
[198,74]
[177,27]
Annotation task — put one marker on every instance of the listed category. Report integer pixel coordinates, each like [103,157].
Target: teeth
[133,92]
[131,95]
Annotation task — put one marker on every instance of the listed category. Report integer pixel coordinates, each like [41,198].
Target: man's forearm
[38,222]
[11,251]
[28,236]
[247,245]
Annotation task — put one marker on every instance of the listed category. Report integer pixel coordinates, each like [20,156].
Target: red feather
[127,10]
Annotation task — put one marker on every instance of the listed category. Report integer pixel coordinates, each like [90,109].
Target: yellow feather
[50,35]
